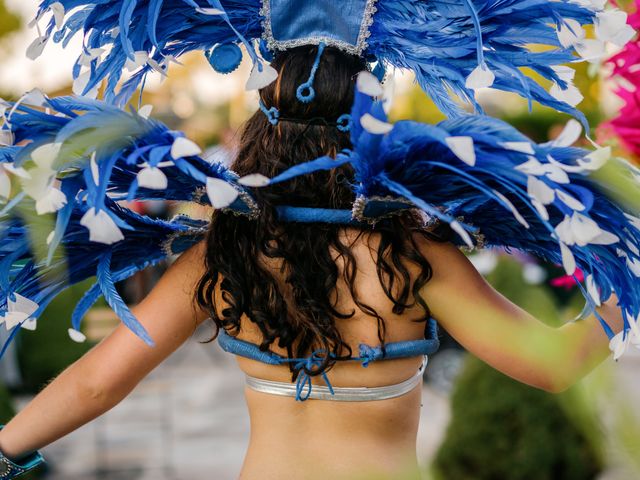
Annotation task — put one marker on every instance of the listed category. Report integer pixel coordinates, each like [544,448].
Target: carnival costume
[79,157]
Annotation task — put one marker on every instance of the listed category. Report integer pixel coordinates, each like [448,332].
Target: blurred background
[188,419]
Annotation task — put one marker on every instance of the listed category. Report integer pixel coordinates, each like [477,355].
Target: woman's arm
[505,336]
[107,373]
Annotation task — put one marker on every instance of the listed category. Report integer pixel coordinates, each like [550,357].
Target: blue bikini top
[366,354]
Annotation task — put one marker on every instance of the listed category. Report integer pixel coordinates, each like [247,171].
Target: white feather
[46,154]
[592,50]
[539,190]
[372,125]
[35,48]
[221,194]
[261,78]
[210,11]
[569,135]
[368,84]
[102,228]
[596,159]
[568,260]
[570,95]
[522,147]
[592,289]
[5,185]
[145,111]
[254,180]
[570,201]
[518,216]
[459,229]
[76,335]
[52,201]
[570,32]
[153,178]
[183,147]
[463,148]
[480,77]
[58,13]
[618,344]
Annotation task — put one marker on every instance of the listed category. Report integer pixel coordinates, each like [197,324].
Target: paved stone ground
[188,421]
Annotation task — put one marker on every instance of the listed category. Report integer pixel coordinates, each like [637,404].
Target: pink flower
[626,68]
[568,281]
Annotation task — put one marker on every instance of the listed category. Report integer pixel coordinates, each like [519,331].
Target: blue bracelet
[10,469]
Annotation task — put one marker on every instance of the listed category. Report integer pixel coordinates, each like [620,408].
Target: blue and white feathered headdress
[67,163]
[452,47]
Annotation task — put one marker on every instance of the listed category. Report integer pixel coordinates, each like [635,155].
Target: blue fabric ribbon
[304,379]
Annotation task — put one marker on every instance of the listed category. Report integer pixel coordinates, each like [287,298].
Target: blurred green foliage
[6,406]
[6,413]
[43,354]
[9,22]
[502,429]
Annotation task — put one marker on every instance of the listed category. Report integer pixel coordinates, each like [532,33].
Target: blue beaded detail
[344,122]
[225,57]
[272,114]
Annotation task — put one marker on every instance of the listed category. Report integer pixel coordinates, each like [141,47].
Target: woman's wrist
[14,467]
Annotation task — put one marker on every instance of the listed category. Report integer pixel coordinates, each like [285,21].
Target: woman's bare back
[330,439]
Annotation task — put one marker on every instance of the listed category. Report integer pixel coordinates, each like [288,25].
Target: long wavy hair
[297,306]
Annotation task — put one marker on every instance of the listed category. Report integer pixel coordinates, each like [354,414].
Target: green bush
[502,429]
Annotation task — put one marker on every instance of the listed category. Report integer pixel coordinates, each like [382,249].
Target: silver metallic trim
[357,49]
[340,394]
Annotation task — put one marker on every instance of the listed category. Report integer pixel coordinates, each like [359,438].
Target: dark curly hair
[239,249]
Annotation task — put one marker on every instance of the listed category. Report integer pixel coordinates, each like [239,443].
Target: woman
[298,288]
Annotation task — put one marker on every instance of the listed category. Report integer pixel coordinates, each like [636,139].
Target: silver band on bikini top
[341,394]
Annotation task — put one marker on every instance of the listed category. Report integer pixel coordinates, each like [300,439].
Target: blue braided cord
[308,85]
[248,350]
[344,122]
[316,215]
[272,114]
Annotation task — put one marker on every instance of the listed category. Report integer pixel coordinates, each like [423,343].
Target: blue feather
[114,300]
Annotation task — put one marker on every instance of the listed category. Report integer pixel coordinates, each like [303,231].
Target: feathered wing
[142,36]
[469,44]
[497,188]
[452,47]
[62,219]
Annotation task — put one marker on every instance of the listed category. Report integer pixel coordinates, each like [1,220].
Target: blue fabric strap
[303,381]
[248,350]
[316,215]
[367,354]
